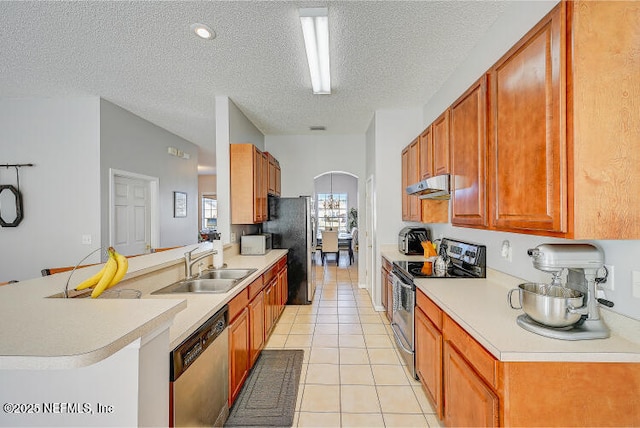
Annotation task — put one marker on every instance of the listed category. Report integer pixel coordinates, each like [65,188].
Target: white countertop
[48,333]
[200,306]
[480,307]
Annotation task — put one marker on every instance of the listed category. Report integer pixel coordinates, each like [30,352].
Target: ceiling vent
[318,128]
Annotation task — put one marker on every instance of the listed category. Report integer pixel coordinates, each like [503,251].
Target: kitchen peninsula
[102,362]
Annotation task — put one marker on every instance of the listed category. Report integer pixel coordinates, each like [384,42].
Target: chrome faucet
[188,262]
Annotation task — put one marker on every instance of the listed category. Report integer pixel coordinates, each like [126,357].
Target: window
[209,213]
[332,211]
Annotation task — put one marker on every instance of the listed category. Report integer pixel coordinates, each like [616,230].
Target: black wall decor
[6,222]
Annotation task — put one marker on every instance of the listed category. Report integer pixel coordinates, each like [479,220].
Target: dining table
[344,243]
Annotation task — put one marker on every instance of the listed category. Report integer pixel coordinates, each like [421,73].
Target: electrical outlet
[86,239]
[635,280]
[233,237]
[506,252]
[608,285]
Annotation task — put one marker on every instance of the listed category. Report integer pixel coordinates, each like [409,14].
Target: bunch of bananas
[111,273]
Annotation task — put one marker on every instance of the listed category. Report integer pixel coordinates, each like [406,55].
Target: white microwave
[255,245]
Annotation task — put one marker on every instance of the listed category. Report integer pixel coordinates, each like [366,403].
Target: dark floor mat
[268,397]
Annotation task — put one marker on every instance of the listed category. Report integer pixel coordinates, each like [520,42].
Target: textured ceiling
[142,56]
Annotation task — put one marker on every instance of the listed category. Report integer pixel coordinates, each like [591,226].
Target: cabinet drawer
[255,287]
[478,357]
[270,274]
[430,309]
[386,265]
[238,304]
[282,263]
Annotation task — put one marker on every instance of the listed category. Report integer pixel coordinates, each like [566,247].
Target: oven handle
[399,280]
[398,341]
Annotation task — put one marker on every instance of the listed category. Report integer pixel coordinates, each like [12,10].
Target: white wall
[242,130]
[133,144]
[232,126]
[394,129]
[303,157]
[61,192]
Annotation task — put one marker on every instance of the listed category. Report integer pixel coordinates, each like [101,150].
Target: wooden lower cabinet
[238,353]
[476,389]
[283,284]
[387,288]
[269,303]
[469,401]
[252,314]
[256,327]
[428,345]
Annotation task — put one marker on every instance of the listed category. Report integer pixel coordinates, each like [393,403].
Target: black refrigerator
[291,226]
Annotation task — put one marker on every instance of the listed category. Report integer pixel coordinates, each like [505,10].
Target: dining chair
[330,244]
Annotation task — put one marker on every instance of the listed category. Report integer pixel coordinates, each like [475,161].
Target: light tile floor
[352,375]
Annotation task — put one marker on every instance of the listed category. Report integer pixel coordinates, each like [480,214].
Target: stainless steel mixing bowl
[551,306]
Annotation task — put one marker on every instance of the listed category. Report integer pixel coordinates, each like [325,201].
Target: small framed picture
[179,204]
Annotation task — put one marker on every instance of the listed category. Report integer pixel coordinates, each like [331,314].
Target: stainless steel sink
[215,281]
[226,273]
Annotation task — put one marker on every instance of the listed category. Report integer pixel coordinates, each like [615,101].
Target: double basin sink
[212,281]
[215,281]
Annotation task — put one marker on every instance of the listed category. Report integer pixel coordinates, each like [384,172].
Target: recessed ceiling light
[203,31]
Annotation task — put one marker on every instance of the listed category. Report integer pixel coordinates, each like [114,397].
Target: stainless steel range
[456,259]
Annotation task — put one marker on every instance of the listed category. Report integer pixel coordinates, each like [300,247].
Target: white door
[131,233]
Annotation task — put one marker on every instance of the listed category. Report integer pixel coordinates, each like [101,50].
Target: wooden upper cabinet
[527,144]
[413,178]
[605,127]
[273,187]
[426,153]
[405,183]
[410,175]
[440,131]
[249,181]
[468,147]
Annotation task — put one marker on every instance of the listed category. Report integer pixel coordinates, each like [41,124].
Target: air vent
[318,128]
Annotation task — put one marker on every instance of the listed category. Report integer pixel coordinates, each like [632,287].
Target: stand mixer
[582,261]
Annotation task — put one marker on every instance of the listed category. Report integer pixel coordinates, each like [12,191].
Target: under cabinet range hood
[437,187]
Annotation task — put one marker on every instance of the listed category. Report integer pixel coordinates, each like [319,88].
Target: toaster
[410,238]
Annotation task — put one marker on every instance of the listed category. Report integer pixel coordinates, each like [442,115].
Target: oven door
[402,323]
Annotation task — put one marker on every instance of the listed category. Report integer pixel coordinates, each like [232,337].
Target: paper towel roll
[218,259]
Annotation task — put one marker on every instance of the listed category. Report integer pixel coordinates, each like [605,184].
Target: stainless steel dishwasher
[200,376]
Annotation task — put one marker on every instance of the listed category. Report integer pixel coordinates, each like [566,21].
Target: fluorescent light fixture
[315,29]
[203,31]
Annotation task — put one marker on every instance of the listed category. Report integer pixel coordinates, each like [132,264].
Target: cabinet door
[269,302]
[469,157]
[272,175]
[283,283]
[238,353]
[383,288]
[426,154]
[441,144]
[429,359]
[413,178]
[278,180]
[468,401]
[405,183]
[527,156]
[256,327]
[389,287]
[244,161]
[263,188]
